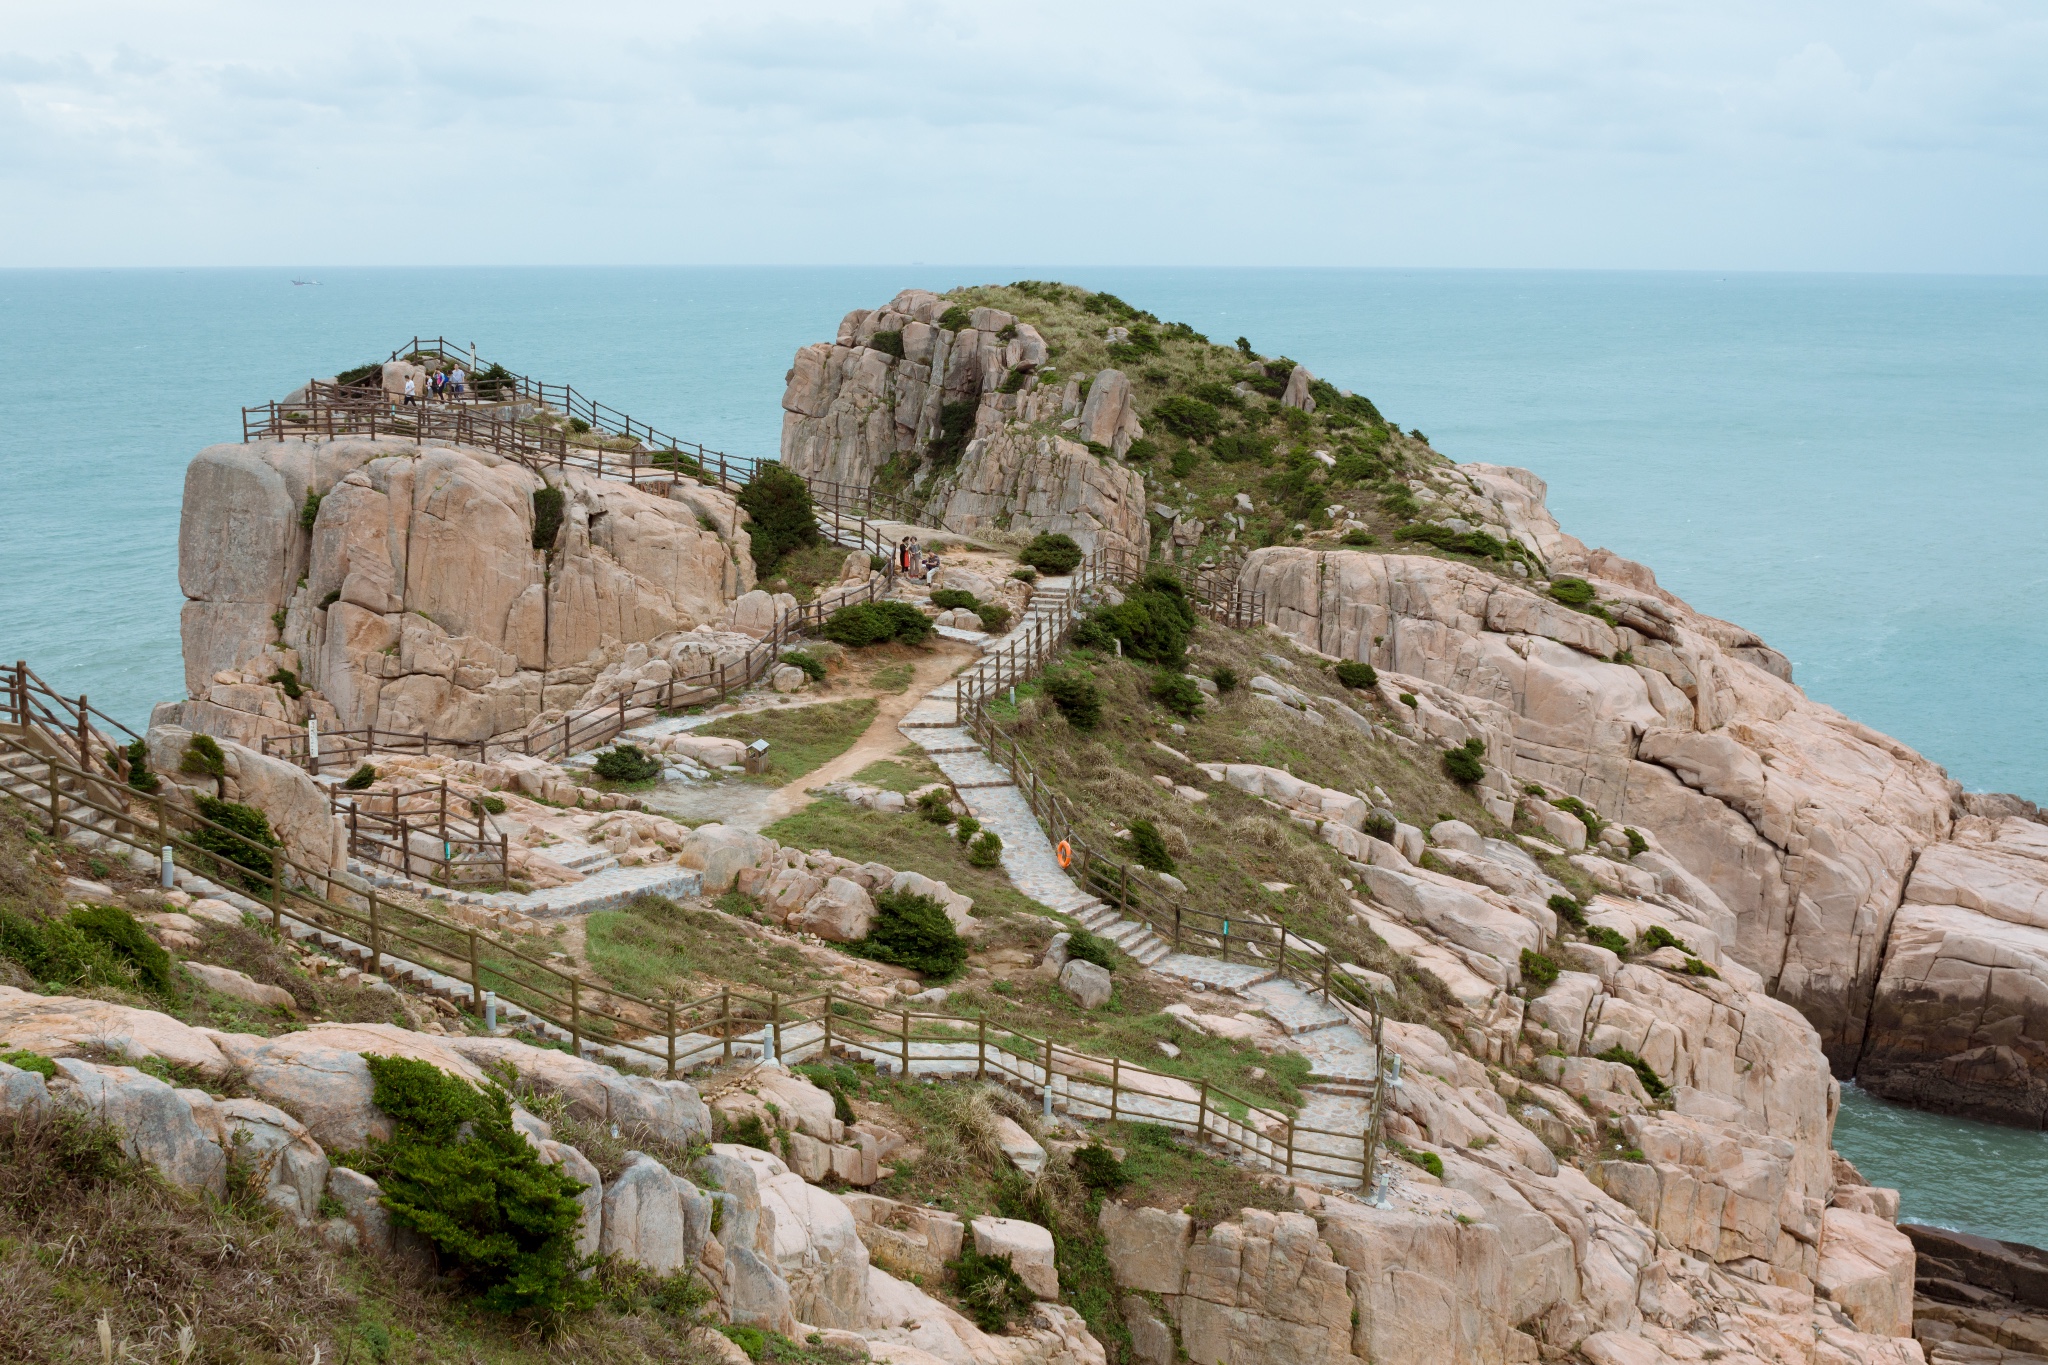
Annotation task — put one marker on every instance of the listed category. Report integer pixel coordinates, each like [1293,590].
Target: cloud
[1486,133]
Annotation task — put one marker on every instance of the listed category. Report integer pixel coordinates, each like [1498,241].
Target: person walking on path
[436,382]
[411,391]
[456,380]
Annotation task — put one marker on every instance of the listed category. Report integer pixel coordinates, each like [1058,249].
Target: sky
[1790,135]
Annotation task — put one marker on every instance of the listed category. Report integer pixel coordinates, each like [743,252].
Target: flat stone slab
[1341,1054]
[969,768]
[932,712]
[1229,976]
[605,890]
[1295,1010]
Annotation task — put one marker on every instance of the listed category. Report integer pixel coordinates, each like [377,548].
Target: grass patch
[893,678]
[800,739]
[655,948]
[901,842]
[899,775]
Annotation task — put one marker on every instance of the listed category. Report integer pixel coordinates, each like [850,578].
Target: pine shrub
[875,623]
[139,776]
[548,504]
[1154,622]
[1652,1082]
[990,1289]
[1569,910]
[1463,766]
[1225,679]
[888,343]
[1572,592]
[1187,417]
[1357,676]
[359,779]
[1076,695]
[986,850]
[459,1173]
[967,829]
[995,617]
[1149,847]
[1538,970]
[626,763]
[1052,552]
[242,841]
[1177,693]
[203,757]
[780,517]
[1092,948]
[949,599]
[1657,936]
[935,806]
[309,510]
[1098,1169]
[913,931]
[1613,940]
[813,667]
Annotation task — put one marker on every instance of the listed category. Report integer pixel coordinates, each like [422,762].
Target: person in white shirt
[411,391]
[455,381]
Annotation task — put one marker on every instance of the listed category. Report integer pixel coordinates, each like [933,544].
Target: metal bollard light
[169,870]
[490,1011]
[768,1042]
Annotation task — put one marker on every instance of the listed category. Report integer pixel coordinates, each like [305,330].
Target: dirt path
[880,740]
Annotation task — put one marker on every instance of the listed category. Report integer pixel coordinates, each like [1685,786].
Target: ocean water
[1855,467]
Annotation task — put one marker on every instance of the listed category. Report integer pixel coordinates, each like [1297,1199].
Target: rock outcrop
[1800,821]
[853,408]
[416,599]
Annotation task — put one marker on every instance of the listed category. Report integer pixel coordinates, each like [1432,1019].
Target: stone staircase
[26,778]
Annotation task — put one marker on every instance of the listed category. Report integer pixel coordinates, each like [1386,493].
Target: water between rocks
[1950,1172]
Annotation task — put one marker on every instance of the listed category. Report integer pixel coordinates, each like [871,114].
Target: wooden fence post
[828,1026]
[671,1040]
[1202,1112]
[1116,1077]
[56,811]
[376,940]
[725,1020]
[476,976]
[981,1048]
[576,1014]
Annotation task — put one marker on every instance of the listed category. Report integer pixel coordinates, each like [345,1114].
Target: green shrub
[1241,448]
[1652,1082]
[497,382]
[127,940]
[1587,816]
[1098,1170]
[1478,544]
[1141,450]
[95,945]
[1360,538]
[956,429]
[626,763]
[1695,967]
[360,778]
[243,843]
[287,682]
[875,623]
[995,617]
[1188,417]
[1613,940]
[813,667]
[1154,622]
[751,1340]
[1381,826]
[458,1172]
[494,804]
[1428,1161]
[1573,592]
[139,776]
[967,829]
[203,757]
[957,318]
[30,1061]
[309,510]
[356,374]
[1076,695]
[1538,970]
[888,343]
[1657,936]
[990,1289]
[1149,847]
[578,425]
[935,807]
[1569,910]
[986,850]
[949,599]
[749,1131]
[1177,693]
[548,504]
[913,931]
[1224,678]
[1183,461]
[1027,574]
[1408,700]
[1637,844]
[1357,676]
[780,517]
[1463,765]
[1052,552]
[1092,948]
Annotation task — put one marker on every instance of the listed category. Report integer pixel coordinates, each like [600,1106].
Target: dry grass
[800,739]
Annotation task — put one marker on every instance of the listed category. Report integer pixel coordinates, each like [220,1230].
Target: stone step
[1295,1010]
[971,769]
[932,713]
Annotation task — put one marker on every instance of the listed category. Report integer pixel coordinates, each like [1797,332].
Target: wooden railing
[69,725]
[680,1035]
[416,832]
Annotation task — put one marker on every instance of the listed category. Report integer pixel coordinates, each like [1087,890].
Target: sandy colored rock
[1028,1246]
[239,986]
[154,1121]
[55,1024]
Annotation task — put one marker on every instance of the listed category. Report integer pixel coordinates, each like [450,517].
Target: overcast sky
[1722,134]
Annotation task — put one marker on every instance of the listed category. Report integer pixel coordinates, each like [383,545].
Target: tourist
[931,566]
[411,391]
[436,382]
[903,555]
[455,382]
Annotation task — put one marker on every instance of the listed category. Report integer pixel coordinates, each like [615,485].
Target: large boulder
[841,913]
[55,1025]
[1029,1248]
[318,1075]
[280,1155]
[653,1217]
[154,1121]
[591,1196]
[669,1110]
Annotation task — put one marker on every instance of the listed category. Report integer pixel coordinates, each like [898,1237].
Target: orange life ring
[1066,853]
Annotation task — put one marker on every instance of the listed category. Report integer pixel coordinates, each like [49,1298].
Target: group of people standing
[912,561]
[452,384]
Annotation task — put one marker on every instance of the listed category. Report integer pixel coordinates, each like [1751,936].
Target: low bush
[1463,766]
[30,1061]
[547,516]
[875,623]
[357,374]
[287,682]
[359,779]
[1188,417]
[1569,910]
[1092,948]
[1076,695]
[888,343]
[1154,622]
[1360,538]
[1538,970]
[1408,700]
[935,807]
[749,1131]
[956,429]
[1428,1161]
[1149,847]
[494,804]
[1381,826]
[1141,450]
[1572,592]
[967,829]
[203,757]
[1053,552]
[626,763]
[1657,936]
[813,667]
[948,599]
[1098,1169]
[990,1289]
[1637,844]
[780,517]
[242,842]
[1224,678]
[456,1171]
[1587,816]
[986,850]
[1695,967]
[1652,1082]
[995,617]
[1027,574]
[913,931]
[309,510]
[957,318]
[1357,676]
[139,776]
[1478,544]
[1177,693]
[497,382]
[579,426]
[1613,940]
[94,945]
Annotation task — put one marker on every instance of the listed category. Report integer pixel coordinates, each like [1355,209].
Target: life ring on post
[1066,853]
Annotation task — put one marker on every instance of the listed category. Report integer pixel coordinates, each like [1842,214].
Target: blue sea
[1855,467]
